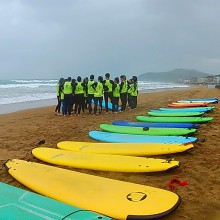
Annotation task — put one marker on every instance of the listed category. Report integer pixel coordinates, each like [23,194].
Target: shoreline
[21,106]
[23,130]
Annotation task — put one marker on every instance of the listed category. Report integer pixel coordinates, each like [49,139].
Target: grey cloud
[49,38]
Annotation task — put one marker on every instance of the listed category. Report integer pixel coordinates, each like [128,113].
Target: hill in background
[176,75]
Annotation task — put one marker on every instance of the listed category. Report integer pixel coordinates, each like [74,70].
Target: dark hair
[92,77]
[123,77]
[100,78]
[85,80]
[117,79]
[73,80]
[134,78]
[107,75]
[69,78]
[79,78]
[61,80]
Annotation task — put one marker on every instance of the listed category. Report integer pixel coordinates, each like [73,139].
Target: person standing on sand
[107,83]
[134,92]
[67,90]
[79,93]
[58,93]
[73,96]
[91,92]
[123,92]
[98,95]
[116,95]
[85,100]
[62,99]
[129,93]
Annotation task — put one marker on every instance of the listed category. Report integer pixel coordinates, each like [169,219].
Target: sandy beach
[21,132]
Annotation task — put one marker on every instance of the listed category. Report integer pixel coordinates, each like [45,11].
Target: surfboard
[203,99]
[155,125]
[132,138]
[190,109]
[113,198]
[181,105]
[174,119]
[130,149]
[173,114]
[186,105]
[103,162]
[17,204]
[147,130]
[109,105]
[198,101]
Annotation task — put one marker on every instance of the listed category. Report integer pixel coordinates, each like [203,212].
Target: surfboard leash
[177,181]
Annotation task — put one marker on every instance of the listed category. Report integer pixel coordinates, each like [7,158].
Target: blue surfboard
[196,109]
[16,204]
[191,113]
[155,125]
[128,138]
[198,101]
[109,105]
[203,99]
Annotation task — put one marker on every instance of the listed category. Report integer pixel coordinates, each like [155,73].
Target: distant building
[201,80]
[216,79]
[209,80]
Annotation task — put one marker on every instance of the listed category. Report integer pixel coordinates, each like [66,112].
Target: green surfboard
[17,204]
[174,119]
[174,114]
[146,131]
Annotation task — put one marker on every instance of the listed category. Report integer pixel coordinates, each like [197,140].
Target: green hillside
[176,75]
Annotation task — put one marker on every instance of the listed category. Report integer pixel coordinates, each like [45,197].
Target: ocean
[20,91]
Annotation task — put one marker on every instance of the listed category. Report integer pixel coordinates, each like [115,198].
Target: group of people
[76,95]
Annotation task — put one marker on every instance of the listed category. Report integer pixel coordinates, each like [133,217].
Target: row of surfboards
[112,198]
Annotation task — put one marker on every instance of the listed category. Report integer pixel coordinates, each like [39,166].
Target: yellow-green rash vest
[129,89]
[91,91]
[67,88]
[134,90]
[116,92]
[85,93]
[98,90]
[109,85]
[62,95]
[58,89]
[124,87]
[79,88]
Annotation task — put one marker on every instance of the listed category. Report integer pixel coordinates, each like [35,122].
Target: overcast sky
[54,38]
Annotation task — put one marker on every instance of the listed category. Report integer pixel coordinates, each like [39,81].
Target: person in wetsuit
[116,95]
[123,92]
[79,93]
[85,101]
[107,83]
[98,95]
[67,90]
[134,92]
[91,92]
[58,93]
[73,96]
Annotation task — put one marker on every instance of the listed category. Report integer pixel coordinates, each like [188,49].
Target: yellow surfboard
[104,162]
[132,149]
[113,198]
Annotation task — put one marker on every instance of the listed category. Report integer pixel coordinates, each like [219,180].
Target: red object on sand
[177,181]
[186,105]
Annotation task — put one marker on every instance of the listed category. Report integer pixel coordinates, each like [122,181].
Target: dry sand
[20,132]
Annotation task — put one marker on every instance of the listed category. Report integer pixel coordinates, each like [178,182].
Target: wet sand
[21,131]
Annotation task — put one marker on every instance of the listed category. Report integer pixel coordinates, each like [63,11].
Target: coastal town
[205,80]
